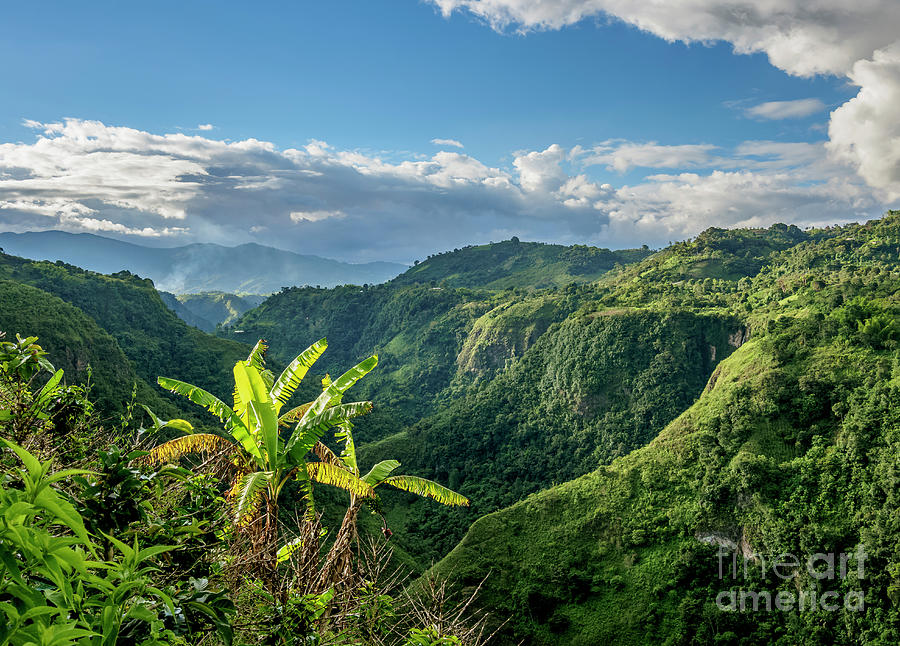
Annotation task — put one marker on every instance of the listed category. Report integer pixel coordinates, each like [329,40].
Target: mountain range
[246,269]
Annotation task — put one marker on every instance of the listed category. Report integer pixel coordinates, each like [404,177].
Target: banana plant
[267,458]
[338,563]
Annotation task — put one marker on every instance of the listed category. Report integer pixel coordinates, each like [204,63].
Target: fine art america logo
[820,567]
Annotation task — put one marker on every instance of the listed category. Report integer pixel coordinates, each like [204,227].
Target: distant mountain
[245,269]
[206,310]
[512,263]
[187,315]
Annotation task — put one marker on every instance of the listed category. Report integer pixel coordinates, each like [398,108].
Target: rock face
[739,338]
[738,545]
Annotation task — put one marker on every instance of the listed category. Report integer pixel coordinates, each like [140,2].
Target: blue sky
[588,95]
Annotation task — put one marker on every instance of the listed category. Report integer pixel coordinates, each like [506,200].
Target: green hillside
[74,342]
[417,331]
[792,448]
[512,263]
[219,308]
[591,389]
[501,393]
[130,311]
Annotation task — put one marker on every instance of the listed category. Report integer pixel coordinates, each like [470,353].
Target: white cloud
[447,142]
[87,176]
[541,170]
[622,156]
[865,131]
[205,126]
[775,110]
[309,216]
[802,37]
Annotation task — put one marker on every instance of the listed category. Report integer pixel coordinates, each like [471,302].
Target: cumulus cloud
[447,142]
[777,110]
[865,131]
[88,176]
[802,37]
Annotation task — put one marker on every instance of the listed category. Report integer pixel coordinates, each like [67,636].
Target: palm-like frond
[217,407]
[294,415]
[339,477]
[336,389]
[311,428]
[380,471]
[428,489]
[259,414]
[256,359]
[348,452]
[158,424]
[247,494]
[291,377]
[326,455]
[257,356]
[187,444]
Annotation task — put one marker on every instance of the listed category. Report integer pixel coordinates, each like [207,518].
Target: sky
[394,129]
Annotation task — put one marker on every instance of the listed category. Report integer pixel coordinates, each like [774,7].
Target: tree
[263,460]
[338,563]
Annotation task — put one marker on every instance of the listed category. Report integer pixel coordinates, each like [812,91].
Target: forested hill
[517,264]
[91,310]
[792,448]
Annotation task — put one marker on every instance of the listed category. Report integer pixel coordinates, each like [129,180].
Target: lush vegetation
[122,306]
[623,437]
[791,449]
[512,263]
[216,308]
[136,549]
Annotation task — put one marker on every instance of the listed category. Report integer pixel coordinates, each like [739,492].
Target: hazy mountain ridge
[202,267]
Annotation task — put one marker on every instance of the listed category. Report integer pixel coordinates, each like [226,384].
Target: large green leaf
[292,375]
[256,359]
[310,429]
[380,471]
[348,452]
[339,477]
[246,496]
[428,489]
[260,416]
[336,389]
[217,407]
